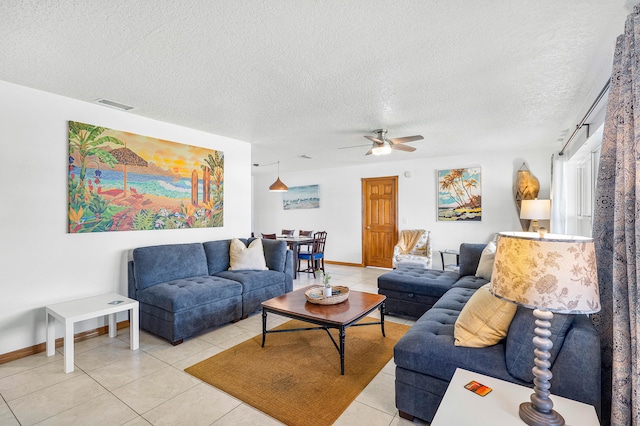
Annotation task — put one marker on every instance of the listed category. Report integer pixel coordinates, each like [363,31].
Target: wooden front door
[379,222]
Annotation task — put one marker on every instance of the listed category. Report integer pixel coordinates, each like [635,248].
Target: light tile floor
[112,385]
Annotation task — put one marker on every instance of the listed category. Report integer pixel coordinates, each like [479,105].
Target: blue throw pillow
[519,348]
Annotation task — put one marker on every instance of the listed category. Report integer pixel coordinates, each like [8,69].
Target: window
[582,171]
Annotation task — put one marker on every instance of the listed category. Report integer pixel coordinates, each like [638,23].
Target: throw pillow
[485,266]
[484,320]
[242,258]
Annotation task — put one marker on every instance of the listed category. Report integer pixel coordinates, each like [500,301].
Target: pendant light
[278,185]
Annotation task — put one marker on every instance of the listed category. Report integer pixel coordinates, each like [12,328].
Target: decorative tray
[316,295]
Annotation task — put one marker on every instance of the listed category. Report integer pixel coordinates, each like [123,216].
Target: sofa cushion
[217,255]
[252,280]
[485,265]
[275,254]
[455,300]
[484,320]
[519,346]
[187,293]
[408,279]
[159,264]
[470,281]
[428,347]
[469,258]
[245,258]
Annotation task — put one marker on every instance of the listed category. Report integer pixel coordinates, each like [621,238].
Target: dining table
[293,243]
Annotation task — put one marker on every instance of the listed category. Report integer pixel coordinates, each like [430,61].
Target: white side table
[82,309]
[500,407]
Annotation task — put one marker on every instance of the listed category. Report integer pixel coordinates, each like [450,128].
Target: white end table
[82,309]
[500,407]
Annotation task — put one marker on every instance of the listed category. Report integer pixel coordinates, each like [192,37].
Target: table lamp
[535,210]
[555,273]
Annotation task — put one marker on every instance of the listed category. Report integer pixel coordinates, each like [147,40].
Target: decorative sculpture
[526,187]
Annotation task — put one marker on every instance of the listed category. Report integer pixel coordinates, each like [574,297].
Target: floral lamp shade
[556,273]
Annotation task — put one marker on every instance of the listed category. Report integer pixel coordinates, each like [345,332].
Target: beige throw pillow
[485,266]
[242,258]
[484,320]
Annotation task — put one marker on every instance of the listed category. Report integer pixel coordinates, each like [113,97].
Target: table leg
[264,325]
[68,346]
[134,328]
[113,328]
[342,350]
[50,323]
[382,319]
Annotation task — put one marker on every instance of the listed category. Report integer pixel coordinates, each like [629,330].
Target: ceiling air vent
[113,104]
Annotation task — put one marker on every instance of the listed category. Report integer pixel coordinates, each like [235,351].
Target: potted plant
[327,287]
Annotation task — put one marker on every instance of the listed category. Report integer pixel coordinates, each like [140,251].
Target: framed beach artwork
[459,195]
[301,197]
[120,181]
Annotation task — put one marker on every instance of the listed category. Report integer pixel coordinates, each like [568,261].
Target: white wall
[40,263]
[340,212]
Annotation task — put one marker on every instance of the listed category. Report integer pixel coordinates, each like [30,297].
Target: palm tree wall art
[459,195]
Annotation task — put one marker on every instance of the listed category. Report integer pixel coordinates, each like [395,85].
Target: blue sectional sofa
[426,357]
[184,289]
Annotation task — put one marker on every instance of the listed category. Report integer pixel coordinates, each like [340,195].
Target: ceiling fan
[383,145]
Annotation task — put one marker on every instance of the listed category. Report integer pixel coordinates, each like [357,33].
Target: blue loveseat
[426,356]
[184,289]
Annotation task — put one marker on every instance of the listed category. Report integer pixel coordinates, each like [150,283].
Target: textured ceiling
[308,77]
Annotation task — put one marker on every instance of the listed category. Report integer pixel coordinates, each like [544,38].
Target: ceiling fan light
[278,186]
[383,149]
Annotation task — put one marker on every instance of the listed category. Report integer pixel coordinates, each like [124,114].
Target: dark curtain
[616,233]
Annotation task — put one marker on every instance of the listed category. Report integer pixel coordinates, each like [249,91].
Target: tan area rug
[296,377]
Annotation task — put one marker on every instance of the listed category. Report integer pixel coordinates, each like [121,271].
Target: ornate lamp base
[540,412]
[533,417]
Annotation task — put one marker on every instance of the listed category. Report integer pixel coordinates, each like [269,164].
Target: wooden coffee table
[339,316]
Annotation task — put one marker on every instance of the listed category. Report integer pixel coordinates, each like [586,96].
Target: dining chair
[315,255]
[269,236]
[302,233]
[288,232]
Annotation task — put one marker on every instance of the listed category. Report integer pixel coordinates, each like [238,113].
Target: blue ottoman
[411,290]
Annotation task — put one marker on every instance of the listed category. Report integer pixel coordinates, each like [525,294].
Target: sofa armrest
[470,257]
[131,280]
[288,270]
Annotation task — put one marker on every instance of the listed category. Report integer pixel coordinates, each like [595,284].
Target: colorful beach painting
[301,197]
[121,181]
[459,195]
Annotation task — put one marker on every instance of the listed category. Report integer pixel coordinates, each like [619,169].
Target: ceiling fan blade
[355,146]
[406,139]
[371,138]
[369,152]
[403,147]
